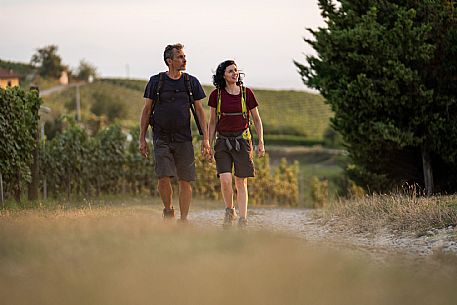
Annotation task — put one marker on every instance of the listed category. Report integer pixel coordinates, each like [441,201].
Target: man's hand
[260,150]
[144,150]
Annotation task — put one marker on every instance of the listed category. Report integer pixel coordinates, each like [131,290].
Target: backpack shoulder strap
[188,87]
[191,101]
[158,87]
[218,104]
[244,108]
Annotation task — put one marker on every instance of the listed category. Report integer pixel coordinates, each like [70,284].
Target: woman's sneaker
[242,222]
[230,216]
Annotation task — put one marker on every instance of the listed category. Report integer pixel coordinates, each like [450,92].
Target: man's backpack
[158,87]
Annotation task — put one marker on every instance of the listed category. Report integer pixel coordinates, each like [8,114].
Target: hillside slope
[283,112]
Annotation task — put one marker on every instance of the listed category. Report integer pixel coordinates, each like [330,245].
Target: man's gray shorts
[174,159]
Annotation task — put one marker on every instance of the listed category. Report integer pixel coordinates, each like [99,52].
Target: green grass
[125,254]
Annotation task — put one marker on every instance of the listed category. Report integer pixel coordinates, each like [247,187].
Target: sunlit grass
[404,212]
[125,254]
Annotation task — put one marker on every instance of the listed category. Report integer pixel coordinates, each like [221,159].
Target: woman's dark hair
[218,77]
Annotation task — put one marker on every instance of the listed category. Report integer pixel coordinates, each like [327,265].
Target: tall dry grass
[405,212]
[127,255]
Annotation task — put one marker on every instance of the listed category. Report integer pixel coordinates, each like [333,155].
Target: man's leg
[185,197]
[165,191]
[242,195]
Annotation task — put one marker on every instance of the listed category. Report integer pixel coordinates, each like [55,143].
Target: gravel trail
[302,224]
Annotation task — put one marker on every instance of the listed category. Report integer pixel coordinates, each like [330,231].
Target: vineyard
[76,163]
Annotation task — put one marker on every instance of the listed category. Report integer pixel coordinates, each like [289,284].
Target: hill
[290,115]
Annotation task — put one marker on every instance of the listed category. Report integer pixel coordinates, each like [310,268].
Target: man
[168,107]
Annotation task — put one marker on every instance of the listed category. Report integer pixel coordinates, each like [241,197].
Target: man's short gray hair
[168,53]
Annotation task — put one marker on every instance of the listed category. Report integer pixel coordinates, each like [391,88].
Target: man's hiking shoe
[242,223]
[168,214]
[230,216]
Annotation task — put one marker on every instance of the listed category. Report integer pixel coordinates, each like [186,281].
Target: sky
[127,38]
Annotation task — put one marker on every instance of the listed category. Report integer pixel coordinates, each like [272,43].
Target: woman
[232,104]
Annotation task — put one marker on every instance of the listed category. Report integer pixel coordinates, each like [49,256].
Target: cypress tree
[389,71]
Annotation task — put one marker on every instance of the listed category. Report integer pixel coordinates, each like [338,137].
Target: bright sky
[127,38]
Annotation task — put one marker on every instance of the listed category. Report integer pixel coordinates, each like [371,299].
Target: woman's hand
[260,150]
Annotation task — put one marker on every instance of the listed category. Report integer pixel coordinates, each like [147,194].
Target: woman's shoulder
[213,92]
[249,91]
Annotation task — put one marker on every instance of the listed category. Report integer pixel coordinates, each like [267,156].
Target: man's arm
[212,130]
[144,124]
[212,125]
[206,149]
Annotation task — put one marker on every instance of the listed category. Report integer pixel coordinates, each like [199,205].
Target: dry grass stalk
[397,212]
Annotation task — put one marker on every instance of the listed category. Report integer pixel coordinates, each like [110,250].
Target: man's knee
[185,185]
[164,181]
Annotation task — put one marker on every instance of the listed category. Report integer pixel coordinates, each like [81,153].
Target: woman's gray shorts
[174,159]
[227,157]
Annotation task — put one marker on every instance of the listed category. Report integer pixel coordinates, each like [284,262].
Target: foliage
[104,104]
[111,160]
[86,71]
[139,171]
[63,160]
[20,68]
[319,192]
[387,68]
[277,186]
[18,130]
[48,61]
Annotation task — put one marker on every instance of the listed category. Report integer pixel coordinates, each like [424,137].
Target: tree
[48,62]
[388,69]
[86,71]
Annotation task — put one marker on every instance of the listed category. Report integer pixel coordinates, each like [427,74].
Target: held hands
[206,150]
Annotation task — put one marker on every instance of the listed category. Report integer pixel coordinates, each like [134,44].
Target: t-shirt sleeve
[212,101]
[148,91]
[197,90]
[251,101]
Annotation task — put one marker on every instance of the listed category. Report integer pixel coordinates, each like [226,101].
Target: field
[125,254]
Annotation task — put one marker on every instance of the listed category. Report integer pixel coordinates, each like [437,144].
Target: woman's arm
[259,130]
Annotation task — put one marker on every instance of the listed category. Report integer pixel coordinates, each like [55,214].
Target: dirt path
[301,223]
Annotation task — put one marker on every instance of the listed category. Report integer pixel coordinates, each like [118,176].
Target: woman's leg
[226,189]
[242,195]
